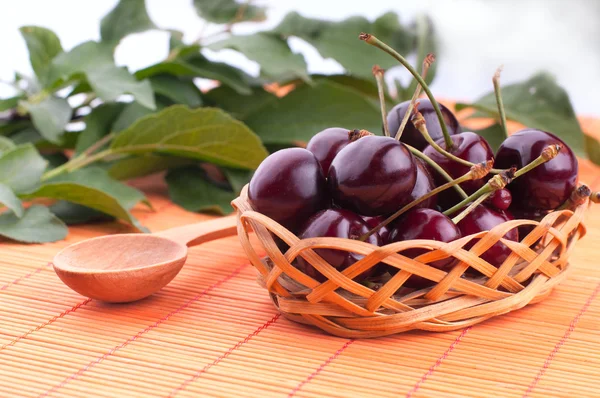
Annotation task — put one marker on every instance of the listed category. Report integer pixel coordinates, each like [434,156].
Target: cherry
[288,187]
[528,214]
[424,224]
[483,218]
[411,135]
[547,186]
[326,144]
[372,176]
[424,184]
[468,146]
[500,199]
[383,232]
[341,224]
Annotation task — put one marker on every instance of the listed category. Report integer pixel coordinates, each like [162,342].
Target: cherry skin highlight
[411,135]
[424,224]
[468,146]
[288,187]
[336,223]
[372,176]
[326,144]
[547,186]
[483,218]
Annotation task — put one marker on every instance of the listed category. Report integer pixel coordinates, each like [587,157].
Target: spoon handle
[205,231]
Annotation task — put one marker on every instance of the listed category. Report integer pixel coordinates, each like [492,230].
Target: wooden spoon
[129,267]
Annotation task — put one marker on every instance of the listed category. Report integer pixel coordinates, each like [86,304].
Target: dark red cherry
[383,232]
[424,224]
[288,187]
[424,184]
[468,146]
[372,176]
[326,144]
[547,186]
[411,135]
[336,223]
[500,199]
[483,218]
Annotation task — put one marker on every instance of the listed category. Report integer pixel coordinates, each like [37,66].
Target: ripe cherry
[326,144]
[411,135]
[500,199]
[288,187]
[483,218]
[424,224]
[424,184]
[383,232]
[337,223]
[372,176]
[468,146]
[547,186]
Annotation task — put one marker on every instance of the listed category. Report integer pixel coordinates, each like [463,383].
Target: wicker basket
[346,308]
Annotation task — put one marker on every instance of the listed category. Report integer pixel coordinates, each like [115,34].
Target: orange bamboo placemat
[213,332]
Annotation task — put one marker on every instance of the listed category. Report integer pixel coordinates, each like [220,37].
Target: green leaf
[237,178]
[43,46]
[339,40]
[94,61]
[92,187]
[30,135]
[98,123]
[37,225]
[182,91]
[54,159]
[592,148]
[10,200]
[198,66]
[493,134]
[308,110]
[21,168]
[6,144]
[271,52]
[228,11]
[189,188]
[139,166]
[73,214]
[205,134]
[537,103]
[129,16]
[50,116]
[9,103]
[238,105]
[175,39]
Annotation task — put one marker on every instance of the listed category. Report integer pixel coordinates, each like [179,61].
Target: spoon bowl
[129,267]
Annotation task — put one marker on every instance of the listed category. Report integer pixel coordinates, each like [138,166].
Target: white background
[560,36]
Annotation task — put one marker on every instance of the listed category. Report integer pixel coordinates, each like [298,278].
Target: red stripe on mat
[141,333]
[48,322]
[26,276]
[223,356]
[561,342]
[320,368]
[437,363]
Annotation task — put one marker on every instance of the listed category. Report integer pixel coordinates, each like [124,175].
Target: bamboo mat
[213,332]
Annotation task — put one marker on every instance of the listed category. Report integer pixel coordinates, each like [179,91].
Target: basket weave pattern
[346,308]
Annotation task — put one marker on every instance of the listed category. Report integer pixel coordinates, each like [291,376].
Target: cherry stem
[499,181]
[469,209]
[476,172]
[429,59]
[436,167]
[378,73]
[496,81]
[372,40]
[595,197]
[419,123]
[578,197]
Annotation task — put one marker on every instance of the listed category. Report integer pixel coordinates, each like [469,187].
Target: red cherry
[326,144]
[500,199]
[424,184]
[288,187]
[383,232]
[411,135]
[483,218]
[372,176]
[424,224]
[547,186]
[468,146]
[341,224]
